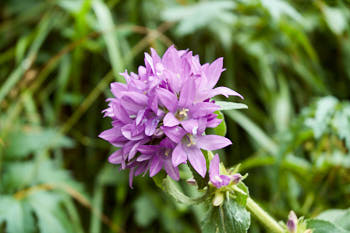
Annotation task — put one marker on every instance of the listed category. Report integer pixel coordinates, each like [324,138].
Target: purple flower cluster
[160,115]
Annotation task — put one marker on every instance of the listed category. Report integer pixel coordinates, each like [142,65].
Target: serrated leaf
[228,218]
[51,216]
[322,226]
[225,105]
[17,216]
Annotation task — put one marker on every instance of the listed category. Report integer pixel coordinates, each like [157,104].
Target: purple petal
[120,113]
[116,157]
[151,126]
[223,91]
[153,103]
[156,166]
[139,116]
[214,167]
[203,109]
[143,157]
[167,143]
[129,132]
[155,56]
[149,62]
[196,159]
[172,171]
[136,97]
[191,126]
[111,134]
[168,99]
[212,142]
[117,88]
[141,169]
[179,155]
[170,120]
[175,133]
[188,92]
[171,59]
[214,71]
[148,149]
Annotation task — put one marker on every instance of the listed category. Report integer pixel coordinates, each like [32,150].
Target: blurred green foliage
[57,58]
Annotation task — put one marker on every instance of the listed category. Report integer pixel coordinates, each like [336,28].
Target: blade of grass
[253,130]
[106,25]
[43,30]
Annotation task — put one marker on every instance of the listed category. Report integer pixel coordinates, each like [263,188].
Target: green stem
[263,216]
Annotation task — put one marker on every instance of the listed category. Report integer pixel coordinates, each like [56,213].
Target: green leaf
[174,190]
[335,19]
[191,18]
[225,105]
[51,216]
[145,210]
[322,226]
[340,218]
[241,198]
[24,143]
[231,217]
[16,214]
[221,128]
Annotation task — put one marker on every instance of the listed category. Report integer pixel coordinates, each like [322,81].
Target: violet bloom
[159,116]
[217,179]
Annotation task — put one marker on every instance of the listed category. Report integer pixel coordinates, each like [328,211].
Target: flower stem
[263,216]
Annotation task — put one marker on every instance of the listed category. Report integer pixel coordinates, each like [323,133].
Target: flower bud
[292,222]
[218,199]
[236,178]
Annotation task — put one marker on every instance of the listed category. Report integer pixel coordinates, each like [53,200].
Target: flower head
[159,116]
